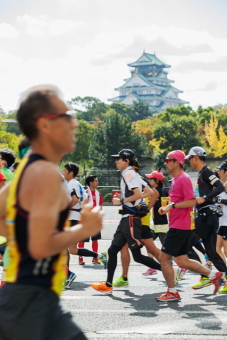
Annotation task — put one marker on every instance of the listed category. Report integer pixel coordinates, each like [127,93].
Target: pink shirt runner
[181,190]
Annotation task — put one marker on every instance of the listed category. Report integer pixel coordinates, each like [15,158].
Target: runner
[222,230]
[7,158]
[36,214]
[77,196]
[129,229]
[181,222]
[95,197]
[208,186]
[146,235]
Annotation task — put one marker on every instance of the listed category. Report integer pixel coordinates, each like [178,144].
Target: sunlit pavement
[132,312]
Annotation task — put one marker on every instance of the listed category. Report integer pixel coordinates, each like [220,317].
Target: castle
[149,83]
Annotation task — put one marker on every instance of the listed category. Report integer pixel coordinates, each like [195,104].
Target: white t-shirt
[75,188]
[133,180]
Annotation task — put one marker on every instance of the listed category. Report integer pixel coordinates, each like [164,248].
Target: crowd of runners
[46,215]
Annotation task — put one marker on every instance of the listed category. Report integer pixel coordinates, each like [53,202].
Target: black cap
[125,154]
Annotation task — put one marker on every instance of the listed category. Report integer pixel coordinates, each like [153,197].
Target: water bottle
[197,194]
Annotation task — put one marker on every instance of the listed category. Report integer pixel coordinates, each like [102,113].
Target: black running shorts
[176,242]
[128,231]
[146,232]
[222,231]
[31,312]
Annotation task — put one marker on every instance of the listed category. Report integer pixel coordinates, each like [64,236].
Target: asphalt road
[132,313]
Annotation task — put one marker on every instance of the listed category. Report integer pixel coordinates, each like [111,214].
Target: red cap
[156,174]
[178,155]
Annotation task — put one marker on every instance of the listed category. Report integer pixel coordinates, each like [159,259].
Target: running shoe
[169,297]
[103,260]
[120,282]
[102,287]
[203,282]
[95,261]
[69,280]
[182,273]
[217,280]
[223,290]
[81,261]
[150,271]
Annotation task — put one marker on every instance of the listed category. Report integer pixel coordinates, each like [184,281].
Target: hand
[164,210]
[116,201]
[200,200]
[91,220]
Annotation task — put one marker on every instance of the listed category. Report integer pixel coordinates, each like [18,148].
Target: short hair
[72,167]
[8,155]
[202,158]
[90,179]
[35,102]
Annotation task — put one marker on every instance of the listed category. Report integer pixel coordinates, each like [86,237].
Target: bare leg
[125,260]
[219,246]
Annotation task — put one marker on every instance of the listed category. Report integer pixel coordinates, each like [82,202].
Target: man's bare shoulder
[42,170]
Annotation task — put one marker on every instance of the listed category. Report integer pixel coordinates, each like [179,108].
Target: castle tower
[149,83]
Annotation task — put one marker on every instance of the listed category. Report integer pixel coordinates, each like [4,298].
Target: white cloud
[60,27]
[8,31]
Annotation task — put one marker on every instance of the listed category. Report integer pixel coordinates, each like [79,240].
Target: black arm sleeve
[218,189]
[209,177]
[223,201]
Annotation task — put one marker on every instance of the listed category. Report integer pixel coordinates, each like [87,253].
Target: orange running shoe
[102,287]
[169,297]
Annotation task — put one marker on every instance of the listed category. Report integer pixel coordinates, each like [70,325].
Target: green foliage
[108,197]
[88,108]
[84,137]
[117,133]
[180,111]
[125,110]
[180,133]
[142,110]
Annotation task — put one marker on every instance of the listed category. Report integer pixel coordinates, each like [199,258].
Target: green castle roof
[151,60]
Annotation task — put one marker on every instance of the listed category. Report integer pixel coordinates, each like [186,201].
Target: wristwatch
[122,200]
[205,197]
[173,204]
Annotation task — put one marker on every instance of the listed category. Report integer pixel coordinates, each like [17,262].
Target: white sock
[212,275]
[172,290]
[100,256]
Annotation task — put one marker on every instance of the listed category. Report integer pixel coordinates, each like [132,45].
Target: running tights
[86,253]
[137,256]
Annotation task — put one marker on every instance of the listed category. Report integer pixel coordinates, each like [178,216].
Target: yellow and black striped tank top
[48,272]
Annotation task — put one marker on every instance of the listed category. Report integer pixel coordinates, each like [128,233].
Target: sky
[84,46]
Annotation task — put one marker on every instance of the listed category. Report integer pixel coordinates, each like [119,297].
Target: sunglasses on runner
[168,160]
[67,114]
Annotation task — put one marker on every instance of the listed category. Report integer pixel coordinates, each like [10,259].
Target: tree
[180,111]
[117,133]
[180,133]
[9,140]
[215,137]
[84,136]
[88,108]
[125,110]
[142,110]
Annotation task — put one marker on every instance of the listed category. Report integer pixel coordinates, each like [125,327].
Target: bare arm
[74,201]
[137,194]
[3,197]
[47,199]
[183,204]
